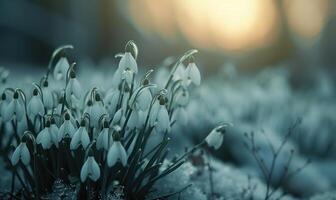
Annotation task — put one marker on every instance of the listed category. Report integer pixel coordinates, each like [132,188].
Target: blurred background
[251,34]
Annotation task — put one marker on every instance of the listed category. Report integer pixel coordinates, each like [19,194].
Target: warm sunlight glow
[307,18]
[211,24]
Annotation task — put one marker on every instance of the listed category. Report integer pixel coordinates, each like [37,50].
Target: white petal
[19,109]
[128,62]
[97,111]
[95,170]
[179,73]
[44,139]
[61,68]
[84,171]
[214,139]
[35,107]
[25,155]
[67,129]
[128,76]
[163,119]
[112,155]
[103,140]
[117,117]
[193,73]
[85,139]
[182,98]
[54,134]
[154,113]
[48,98]
[144,99]
[133,120]
[116,79]
[9,111]
[122,154]
[16,155]
[76,139]
[111,101]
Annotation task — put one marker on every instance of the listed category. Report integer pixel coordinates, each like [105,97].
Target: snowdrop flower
[179,72]
[97,111]
[215,137]
[21,153]
[35,106]
[119,117]
[54,132]
[61,69]
[15,108]
[192,74]
[48,99]
[103,138]
[73,89]
[67,129]
[133,120]
[143,99]
[159,116]
[128,59]
[127,75]
[81,137]
[182,98]
[111,101]
[116,152]
[47,136]
[90,169]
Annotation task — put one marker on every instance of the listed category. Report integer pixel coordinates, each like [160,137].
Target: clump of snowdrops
[95,141]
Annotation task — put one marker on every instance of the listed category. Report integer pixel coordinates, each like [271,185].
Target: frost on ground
[266,105]
[228,183]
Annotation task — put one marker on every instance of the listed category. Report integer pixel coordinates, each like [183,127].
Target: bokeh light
[214,24]
[307,19]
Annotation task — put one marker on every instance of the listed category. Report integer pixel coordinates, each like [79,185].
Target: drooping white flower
[192,74]
[61,68]
[111,101]
[90,169]
[97,111]
[159,116]
[215,137]
[48,99]
[116,152]
[133,120]
[179,72]
[45,137]
[163,122]
[54,132]
[35,106]
[181,98]
[119,117]
[21,153]
[127,75]
[127,62]
[143,99]
[14,109]
[67,129]
[103,138]
[73,89]
[81,137]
